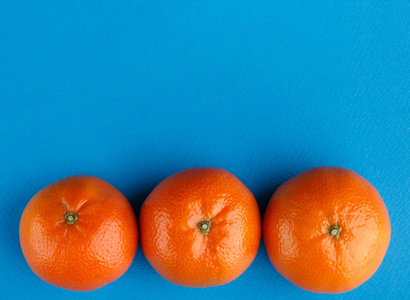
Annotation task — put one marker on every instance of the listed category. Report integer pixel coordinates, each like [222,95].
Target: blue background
[134,91]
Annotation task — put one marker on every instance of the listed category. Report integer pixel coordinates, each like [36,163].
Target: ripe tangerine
[79,233]
[326,230]
[200,227]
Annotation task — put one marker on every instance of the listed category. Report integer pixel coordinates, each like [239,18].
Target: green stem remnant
[204,226]
[335,231]
[70,218]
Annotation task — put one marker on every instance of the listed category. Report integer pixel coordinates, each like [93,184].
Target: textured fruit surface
[93,251]
[297,230]
[173,215]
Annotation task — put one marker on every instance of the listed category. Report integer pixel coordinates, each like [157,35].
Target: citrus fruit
[326,230]
[200,227]
[79,233]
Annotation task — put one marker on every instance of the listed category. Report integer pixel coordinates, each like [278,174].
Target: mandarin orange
[326,230]
[79,233]
[200,227]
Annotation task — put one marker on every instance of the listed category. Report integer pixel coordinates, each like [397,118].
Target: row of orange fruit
[326,230]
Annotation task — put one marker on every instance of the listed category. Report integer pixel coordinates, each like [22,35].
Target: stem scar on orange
[200,227]
[326,230]
[79,233]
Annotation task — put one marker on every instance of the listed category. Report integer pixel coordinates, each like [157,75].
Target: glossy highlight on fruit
[79,233]
[200,227]
[326,230]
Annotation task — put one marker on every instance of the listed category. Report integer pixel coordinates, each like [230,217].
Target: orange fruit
[326,230]
[200,227]
[79,233]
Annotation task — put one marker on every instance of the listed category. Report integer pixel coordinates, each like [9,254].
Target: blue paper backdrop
[134,91]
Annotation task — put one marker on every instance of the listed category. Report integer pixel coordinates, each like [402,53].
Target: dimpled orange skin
[173,242]
[297,238]
[94,251]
